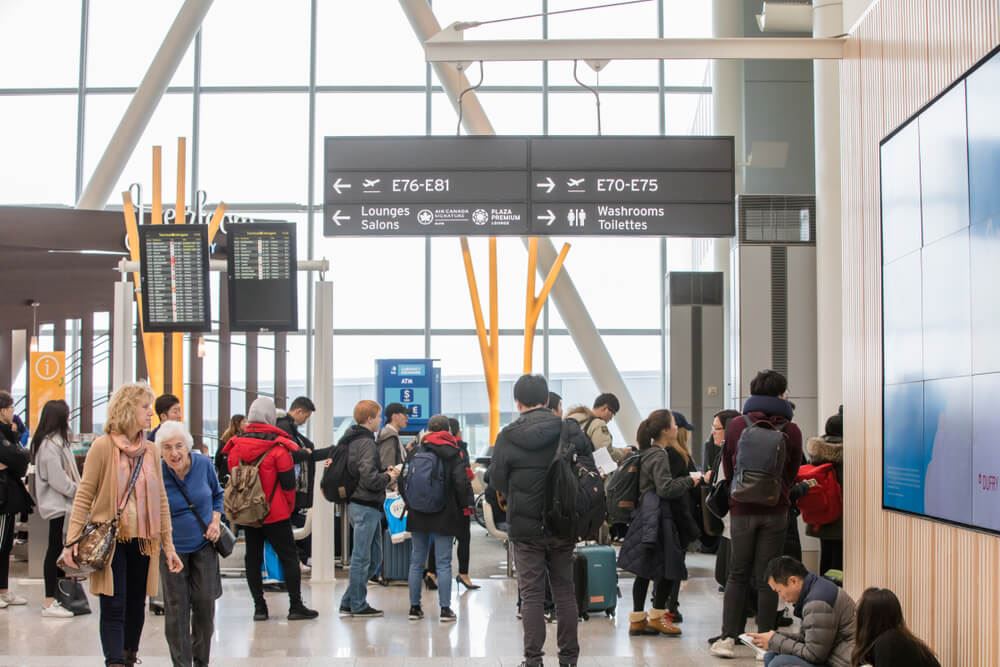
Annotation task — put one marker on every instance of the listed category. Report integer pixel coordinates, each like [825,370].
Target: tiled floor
[487,632]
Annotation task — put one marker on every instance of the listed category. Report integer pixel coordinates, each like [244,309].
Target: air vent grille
[785,219]
[779,309]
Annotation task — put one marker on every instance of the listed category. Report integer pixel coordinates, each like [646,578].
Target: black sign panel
[174,274]
[612,186]
[263,286]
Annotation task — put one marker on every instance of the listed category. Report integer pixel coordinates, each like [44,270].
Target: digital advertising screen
[940,315]
[263,283]
[173,261]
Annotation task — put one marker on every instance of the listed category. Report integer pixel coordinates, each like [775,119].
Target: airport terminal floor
[487,634]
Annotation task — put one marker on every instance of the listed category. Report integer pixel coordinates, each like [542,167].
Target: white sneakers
[10,599]
[724,648]
[56,610]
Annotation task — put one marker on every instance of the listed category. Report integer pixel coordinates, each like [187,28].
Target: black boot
[299,612]
[132,658]
[260,611]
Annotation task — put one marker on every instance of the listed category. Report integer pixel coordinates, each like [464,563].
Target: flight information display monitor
[263,287]
[174,275]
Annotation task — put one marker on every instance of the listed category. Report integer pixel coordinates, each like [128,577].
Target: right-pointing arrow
[338,218]
[549,218]
[548,185]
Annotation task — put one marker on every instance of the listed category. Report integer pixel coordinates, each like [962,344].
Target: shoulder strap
[187,499]
[131,485]
[256,464]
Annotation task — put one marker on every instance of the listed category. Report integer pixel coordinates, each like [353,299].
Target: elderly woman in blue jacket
[195,512]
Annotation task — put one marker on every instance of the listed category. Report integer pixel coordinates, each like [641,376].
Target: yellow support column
[150,341]
[533,304]
[488,347]
[153,343]
[177,339]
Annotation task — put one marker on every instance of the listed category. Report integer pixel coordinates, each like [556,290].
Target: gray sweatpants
[189,600]
[533,560]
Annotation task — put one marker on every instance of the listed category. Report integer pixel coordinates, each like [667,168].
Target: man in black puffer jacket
[521,458]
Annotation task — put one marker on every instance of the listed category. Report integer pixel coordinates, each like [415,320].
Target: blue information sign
[416,383]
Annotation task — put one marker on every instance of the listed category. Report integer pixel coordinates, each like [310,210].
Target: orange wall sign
[47,382]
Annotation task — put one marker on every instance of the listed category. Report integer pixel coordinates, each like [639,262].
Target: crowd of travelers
[150,515]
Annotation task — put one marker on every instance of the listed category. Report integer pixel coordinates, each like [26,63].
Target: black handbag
[70,595]
[227,541]
[717,500]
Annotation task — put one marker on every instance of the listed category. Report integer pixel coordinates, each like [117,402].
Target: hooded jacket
[14,498]
[820,450]
[826,636]
[521,458]
[778,411]
[652,549]
[364,465]
[597,430]
[276,471]
[390,447]
[56,477]
[458,491]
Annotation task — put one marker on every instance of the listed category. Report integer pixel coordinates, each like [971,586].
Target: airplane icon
[574,182]
[371,182]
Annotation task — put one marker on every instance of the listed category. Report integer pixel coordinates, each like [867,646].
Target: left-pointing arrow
[338,218]
[339,185]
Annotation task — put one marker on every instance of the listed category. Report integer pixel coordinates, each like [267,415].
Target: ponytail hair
[651,427]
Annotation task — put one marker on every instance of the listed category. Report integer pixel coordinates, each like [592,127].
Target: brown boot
[660,622]
[638,626]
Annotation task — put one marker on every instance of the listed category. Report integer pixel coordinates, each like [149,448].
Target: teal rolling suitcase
[595,577]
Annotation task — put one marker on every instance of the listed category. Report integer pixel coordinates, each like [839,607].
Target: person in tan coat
[144,527]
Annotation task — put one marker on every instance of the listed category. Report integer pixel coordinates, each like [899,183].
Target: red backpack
[823,503]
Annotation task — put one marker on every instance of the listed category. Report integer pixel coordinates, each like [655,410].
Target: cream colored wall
[903,54]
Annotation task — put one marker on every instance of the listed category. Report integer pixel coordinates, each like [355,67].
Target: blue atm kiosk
[416,383]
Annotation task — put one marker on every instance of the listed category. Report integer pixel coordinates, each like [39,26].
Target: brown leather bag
[97,539]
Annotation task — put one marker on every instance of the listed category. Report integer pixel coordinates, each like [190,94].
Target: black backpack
[760,463]
[623,490]
[574,493]
[338,484]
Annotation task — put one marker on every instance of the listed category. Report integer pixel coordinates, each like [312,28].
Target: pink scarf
[147,491]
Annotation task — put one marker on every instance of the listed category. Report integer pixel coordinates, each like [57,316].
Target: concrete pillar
[828,22]
[143,104]
[727,120]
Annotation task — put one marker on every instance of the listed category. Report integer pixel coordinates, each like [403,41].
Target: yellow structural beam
[180,217]
[489,346]
[152,343]
[533,304]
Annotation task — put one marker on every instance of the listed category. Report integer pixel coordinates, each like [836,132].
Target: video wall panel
[940,174]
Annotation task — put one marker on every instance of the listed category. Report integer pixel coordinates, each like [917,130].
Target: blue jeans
[366,556]
[442,552]
[782,660]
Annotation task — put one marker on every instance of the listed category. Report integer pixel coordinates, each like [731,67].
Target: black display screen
[174,275]
[263,289]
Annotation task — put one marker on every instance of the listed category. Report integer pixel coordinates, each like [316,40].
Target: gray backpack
[760,464]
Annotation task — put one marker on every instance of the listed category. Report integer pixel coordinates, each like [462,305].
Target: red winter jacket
[247,448]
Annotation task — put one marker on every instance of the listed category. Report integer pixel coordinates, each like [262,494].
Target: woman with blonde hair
[122,479]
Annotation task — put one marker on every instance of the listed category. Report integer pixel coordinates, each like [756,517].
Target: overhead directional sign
[495,186]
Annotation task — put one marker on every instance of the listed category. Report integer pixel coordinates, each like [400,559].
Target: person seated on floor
[826,635]
[882,638]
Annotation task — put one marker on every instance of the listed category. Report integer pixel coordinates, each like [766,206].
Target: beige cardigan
[97,499]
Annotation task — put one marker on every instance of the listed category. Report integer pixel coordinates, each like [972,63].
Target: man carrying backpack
[761,456]
[364,476]
[522,456]
[437,492]
[264,447]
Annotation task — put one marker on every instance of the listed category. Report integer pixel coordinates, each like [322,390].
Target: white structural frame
[447,46]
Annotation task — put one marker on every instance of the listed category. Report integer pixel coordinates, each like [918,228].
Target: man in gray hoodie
[826,635]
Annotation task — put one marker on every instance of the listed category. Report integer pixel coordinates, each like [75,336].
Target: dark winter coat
[458,494]
[276,470]
[822,450]
[826,636]
[777,411]
[14,498]
[521,458]
[652,549]
[306,459]
[364,465]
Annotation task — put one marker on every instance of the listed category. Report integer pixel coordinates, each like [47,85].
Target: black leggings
[279,534]
[464,538]
[6,546]
[51,571]
[660,593]
[123,614]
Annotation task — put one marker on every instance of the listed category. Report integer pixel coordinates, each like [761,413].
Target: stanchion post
[324,517]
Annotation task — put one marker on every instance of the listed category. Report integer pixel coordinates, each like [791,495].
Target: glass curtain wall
[255,95]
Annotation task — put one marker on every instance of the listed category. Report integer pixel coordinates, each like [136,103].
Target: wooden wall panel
[903,54]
